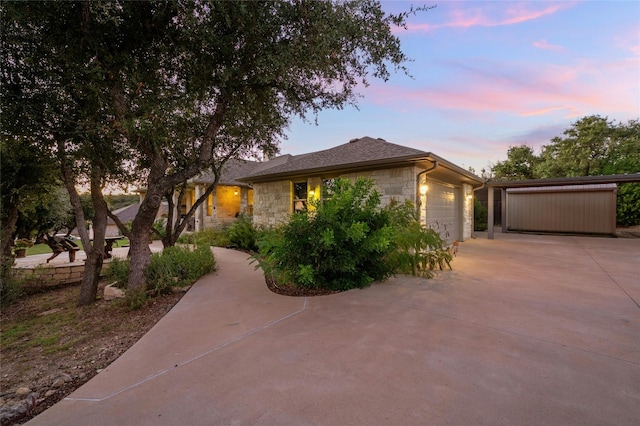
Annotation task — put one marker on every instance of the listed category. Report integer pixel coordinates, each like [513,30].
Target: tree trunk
[139,242]
[95,252]
[8,226]
[91,277]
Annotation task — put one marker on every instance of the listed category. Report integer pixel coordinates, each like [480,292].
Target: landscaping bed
[50,347]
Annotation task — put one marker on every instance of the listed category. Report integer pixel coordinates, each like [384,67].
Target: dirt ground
[49,347]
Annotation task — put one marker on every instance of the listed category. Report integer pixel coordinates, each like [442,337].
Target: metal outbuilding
[565,205]
[582,209]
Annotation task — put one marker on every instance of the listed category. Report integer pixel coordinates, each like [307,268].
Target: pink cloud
[492,15]
[572,90]
[571,111]
[543,44]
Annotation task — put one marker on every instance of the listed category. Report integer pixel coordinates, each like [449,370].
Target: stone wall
[398,184]
[53,275]
[272,200]
[467,211]
[272,203]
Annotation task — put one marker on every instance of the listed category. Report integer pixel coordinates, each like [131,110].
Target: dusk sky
[489,75]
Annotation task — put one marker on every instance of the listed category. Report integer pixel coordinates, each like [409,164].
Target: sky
[487,75]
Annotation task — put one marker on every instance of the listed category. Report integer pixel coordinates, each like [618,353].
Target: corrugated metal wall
[587,209]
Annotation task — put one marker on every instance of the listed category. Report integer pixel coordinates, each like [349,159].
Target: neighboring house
[442,190]
[126,215]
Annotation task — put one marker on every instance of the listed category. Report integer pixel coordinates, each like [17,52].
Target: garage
[588,209]
[576,205]
[443,209]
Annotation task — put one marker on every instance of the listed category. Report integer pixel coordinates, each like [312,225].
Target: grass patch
[45,249]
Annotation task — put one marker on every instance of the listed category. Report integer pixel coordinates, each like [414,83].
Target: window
[299,196]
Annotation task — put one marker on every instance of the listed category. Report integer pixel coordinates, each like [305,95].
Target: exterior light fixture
[424,188]
[235,192]
[312,193]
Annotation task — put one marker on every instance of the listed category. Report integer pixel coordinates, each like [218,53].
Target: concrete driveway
[525,330]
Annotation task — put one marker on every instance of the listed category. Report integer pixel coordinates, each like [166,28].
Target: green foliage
[339,245]
[132,85]
[520,164]
[118,271]
[216,237]
[135,300]
[11,286]
[348,241]
[628,204]
[242,234]
[178,267]
[24,243]
[480,216]
[159,229]
[418,250]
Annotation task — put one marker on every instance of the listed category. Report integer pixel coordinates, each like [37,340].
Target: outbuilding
[577,205]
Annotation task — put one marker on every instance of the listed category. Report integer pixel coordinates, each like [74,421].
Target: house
[442,190]
[227,201]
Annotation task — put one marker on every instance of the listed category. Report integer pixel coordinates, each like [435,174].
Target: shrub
[243,234]
[178,266]
[217,237]
[118,271]
[339,245]
[417,250]
[348,242]
[480,216]
[628,204]
[11,288]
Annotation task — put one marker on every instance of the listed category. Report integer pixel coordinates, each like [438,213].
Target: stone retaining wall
[52,275]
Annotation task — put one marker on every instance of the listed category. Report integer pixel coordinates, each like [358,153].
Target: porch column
[198,212]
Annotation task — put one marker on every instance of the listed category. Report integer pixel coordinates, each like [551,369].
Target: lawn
[43,248]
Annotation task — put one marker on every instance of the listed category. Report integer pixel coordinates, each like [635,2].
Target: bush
[217,237]
[11,286]
[347,242]
[243,234]
[628,204]
[339,245]
[480,216]
[178,267]
[417,250]
[118,271]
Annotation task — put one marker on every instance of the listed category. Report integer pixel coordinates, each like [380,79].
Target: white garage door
[443,210]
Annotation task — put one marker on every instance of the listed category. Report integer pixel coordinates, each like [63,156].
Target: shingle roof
[232,170]
[357,152]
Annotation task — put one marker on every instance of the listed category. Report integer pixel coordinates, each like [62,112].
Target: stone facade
[393,184]
[273,200]
[272,203]
[467,211]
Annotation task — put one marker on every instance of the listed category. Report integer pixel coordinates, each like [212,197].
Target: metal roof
[581,180]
